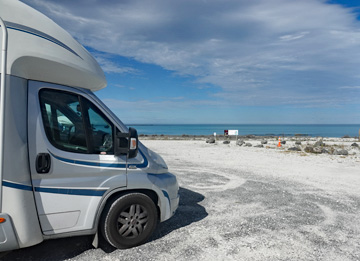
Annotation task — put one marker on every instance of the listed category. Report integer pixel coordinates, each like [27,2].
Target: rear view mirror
[127,143]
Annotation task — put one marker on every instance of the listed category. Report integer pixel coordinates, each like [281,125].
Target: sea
[312,130]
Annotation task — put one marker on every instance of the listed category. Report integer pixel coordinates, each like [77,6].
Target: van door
[71,156]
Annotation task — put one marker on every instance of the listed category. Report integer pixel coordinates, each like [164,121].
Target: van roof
[39,49]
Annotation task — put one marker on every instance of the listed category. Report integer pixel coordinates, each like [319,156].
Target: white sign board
[233,132]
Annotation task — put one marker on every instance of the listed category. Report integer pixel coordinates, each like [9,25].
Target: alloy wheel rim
[132,221]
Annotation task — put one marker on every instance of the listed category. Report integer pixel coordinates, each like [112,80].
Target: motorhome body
[68,165]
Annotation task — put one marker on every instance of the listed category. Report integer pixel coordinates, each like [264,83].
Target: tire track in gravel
[255,213]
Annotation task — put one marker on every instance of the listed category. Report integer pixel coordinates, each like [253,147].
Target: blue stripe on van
[103,165]
[32,31]
[166,194]
[70,191]
[17,186]
[89,163]
[66,191]
[142,165]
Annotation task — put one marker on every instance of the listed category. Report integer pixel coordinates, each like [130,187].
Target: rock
[324,151]
[264,142]
[319,143]
[259,146]
[240,142]
[317,150]
[309,149]
[226,142]
[294,149]
[346,137]
[250,136]
[300,135]
[298,142]
[355,145]
[248,144]
[341,152]
[210,140]
[283,142]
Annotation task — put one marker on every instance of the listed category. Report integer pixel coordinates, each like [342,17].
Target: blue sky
[233,61]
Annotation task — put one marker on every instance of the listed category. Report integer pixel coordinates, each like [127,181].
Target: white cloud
[248,48]
[350,87]
[111,67]
[150,105]
[291,37]
[121,86]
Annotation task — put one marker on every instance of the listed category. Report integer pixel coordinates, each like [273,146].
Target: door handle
[43,163]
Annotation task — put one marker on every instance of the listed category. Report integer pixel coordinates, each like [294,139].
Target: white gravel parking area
[242,203]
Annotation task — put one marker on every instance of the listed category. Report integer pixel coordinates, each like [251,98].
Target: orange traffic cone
[279,144]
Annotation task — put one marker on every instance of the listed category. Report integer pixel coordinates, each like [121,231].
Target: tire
[129,221]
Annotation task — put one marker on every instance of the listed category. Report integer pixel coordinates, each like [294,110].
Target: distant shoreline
[239,137]
[284,130]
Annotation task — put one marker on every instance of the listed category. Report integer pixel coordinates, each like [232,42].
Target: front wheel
[129,221]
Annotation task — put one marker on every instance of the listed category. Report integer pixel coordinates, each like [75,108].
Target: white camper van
[68,165]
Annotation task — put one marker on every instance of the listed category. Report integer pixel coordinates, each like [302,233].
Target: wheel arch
[111,197]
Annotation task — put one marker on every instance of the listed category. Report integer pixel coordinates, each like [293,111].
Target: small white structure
[233,132]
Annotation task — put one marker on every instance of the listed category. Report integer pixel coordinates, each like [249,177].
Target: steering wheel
[107,142]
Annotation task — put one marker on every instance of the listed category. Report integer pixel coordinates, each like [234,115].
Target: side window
[101,130]
[73,124]
[63,126]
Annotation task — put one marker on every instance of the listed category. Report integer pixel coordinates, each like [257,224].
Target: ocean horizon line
[313,130]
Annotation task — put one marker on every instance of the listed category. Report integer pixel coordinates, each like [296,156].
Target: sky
[228,61]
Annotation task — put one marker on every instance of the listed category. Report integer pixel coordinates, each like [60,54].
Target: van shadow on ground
[55,249]
[189,211]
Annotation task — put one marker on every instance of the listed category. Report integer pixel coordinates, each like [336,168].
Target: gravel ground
[242,204]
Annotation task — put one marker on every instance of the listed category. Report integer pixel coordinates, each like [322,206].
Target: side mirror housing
[133,143]
[127,143]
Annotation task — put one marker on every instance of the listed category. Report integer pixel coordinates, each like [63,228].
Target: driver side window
[74,124]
